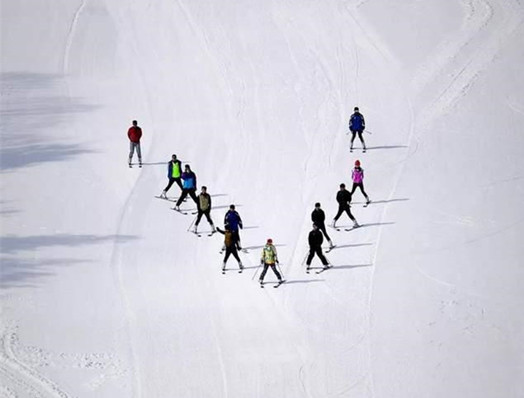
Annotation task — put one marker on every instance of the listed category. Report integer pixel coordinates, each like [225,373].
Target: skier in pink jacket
[357,175]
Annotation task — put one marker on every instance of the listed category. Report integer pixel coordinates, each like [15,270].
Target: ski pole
[256,272]
[280,269]
[367,131]
[304,260]
[190,225]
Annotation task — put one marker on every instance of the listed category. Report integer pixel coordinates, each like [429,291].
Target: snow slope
[105,294]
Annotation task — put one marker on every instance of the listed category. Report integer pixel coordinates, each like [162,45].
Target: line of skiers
[187,182]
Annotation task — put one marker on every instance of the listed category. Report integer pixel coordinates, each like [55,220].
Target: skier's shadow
[302,281]
[152,163]
[336,267]
[382,201]
[346,246]
[369,148]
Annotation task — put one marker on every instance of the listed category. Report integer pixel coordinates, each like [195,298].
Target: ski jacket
[204,202]
[174,169]
[232,218]
[357,122]
[318,216]
[357,175]
[189,180]
[343,197]
[315,238]
[230,238]
[134,133]
[269,254]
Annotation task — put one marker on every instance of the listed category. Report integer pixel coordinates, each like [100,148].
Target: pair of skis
[199,234]
[225,269]
[346,229]
[325,268]
[276,286]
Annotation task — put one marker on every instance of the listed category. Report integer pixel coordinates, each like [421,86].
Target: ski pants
[185,192]
[354,134]
[132,147]
[322,227]
[361,186]
[342,209]
[232,250]
[236,238]
[274,268]
[318,251]
[173,180]
[204,213]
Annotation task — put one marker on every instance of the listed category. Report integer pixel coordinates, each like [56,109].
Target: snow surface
[105,294]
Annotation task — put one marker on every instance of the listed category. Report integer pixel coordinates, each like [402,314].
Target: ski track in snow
[24,380]
[460,61]
[71,36]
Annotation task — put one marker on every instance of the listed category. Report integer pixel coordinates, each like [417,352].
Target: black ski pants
[231,250]
[274,268]
[361,186]
[185,192]
[318,251]
[322,227]
[354,134]
[342,209]
[204,213]
[173,180]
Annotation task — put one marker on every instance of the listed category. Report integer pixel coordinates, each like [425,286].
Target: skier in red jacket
[134,133]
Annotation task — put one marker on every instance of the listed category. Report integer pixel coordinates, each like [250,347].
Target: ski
[262,285]
[352,228]
[166,198]
[180,211]
[330,248]
[335,228]
[367,203]
[211,233]
[278,284]
[196,233]
[323,269]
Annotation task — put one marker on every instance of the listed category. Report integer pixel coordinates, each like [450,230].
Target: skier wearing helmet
[357,175]
[268,259]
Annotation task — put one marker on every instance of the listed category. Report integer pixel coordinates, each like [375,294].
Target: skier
[174,173]
[268,259]
[135,133]
[357,175]
[232,218]
[357,124]
[231,247]
[318,217]
[344,199]
[188,187]
[315,240]
[204,208]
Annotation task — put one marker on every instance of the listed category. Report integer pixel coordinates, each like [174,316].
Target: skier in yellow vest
[268,259]
[174,173]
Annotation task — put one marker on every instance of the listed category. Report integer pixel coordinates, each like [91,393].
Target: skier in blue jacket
[232,218]
[189,186]
[357,124]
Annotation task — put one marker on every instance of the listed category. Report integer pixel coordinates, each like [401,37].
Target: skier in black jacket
[319,217]
[343,199]
[315,240]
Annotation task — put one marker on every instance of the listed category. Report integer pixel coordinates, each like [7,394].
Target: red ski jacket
[134,134]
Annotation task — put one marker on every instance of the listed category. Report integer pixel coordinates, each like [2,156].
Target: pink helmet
[357,163]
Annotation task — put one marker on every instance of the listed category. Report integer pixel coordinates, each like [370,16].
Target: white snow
[105,294]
